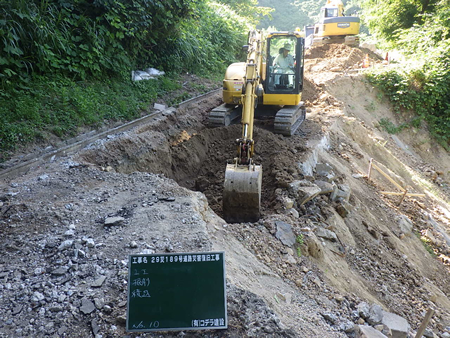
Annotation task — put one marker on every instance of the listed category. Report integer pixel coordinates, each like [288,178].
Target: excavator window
[331,12]
[281,69]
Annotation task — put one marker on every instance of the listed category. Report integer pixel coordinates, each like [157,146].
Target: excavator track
[223,115]
[349,40]
[289,118]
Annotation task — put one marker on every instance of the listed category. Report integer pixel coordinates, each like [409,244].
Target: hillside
[330,253]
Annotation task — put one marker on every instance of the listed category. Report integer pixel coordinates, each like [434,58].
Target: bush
[66,64]
[84,39]
[423,91]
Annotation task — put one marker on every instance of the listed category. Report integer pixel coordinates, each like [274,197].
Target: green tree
[284,15]
[422,87]
[248,9]
[384,18]
[208,47]
[431,35]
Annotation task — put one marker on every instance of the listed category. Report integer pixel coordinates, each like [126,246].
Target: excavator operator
[283,64]
[284,59]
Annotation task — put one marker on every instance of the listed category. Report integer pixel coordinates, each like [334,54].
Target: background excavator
[334,26]
[249,87]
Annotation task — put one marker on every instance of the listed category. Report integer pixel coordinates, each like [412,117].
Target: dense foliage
[424,91]
[83,39]
[388,19]
[424,36]
[67,64]
[60,107]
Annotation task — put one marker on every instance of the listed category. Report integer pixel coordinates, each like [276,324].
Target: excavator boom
[242,186]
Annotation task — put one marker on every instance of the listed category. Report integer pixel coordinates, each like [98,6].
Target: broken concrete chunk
[98,282]
[324,170]
[87,306]
[304,191]
[288,203]
[158,106]
[308,193]
[169,111]
[95,327]
[325,187]
[375,315]
[341,193]
[325,233]
[363,310]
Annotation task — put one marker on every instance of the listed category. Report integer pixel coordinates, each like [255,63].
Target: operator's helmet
[287,46]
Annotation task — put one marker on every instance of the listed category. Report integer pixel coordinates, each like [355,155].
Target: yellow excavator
[334,26]
[272,78]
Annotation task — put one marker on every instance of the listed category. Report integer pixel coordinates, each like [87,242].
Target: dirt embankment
[360,248]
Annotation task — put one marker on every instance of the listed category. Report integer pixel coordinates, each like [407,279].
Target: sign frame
[179,278]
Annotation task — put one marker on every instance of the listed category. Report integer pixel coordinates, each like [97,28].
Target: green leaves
[83,39]
[423,91]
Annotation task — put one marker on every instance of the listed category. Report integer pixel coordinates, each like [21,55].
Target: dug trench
[195,156]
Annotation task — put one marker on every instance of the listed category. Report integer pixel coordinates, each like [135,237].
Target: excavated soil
[198,161]
[313,288]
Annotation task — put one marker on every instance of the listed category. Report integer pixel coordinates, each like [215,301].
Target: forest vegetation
[65,65]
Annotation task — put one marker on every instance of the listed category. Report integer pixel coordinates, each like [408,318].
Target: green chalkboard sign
[177,292]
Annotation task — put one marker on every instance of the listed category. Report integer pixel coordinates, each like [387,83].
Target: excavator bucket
[242,193]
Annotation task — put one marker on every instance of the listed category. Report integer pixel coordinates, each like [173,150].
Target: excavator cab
[281,84]
[284,66]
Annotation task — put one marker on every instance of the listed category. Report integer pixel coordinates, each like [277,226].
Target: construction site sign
[177,291]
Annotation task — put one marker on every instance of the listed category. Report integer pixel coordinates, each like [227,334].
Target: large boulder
[303,191]
[398,325]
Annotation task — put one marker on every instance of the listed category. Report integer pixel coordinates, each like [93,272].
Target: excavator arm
[242,186]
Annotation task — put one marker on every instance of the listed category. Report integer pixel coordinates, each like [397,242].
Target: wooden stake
[401,194]
[403,197]
[425,322]
[370,168]
[388,177]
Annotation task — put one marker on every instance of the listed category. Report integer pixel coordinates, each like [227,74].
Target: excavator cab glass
[284,65]
[331,12]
